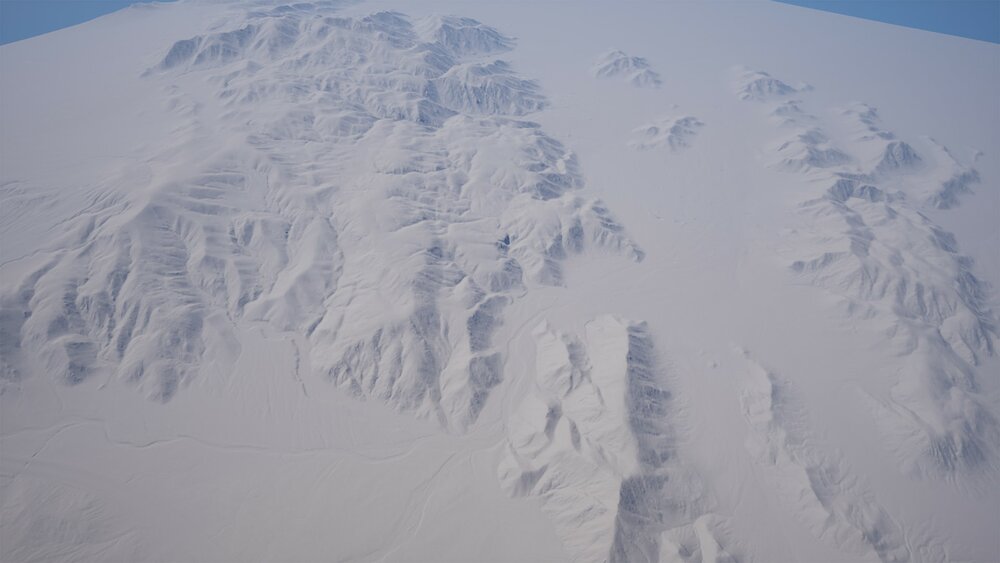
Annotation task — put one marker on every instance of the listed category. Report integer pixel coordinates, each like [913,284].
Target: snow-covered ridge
[595,439]
[384,63]
[674,133]
[872,246]
[463,37]
[323,281]
[835,503]
[389,220]
[760,86]
[488,88]
[635,70]
[810,148]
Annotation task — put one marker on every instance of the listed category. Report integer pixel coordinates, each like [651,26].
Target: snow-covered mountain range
[470,281]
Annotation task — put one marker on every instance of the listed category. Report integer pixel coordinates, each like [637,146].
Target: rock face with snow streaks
[595,439]
[377,238]
[636,71]
[674,134]
[376,280]
[872,246]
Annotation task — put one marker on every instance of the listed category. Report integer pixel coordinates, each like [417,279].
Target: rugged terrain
[471,281]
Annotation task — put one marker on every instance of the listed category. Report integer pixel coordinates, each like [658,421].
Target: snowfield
[485,281]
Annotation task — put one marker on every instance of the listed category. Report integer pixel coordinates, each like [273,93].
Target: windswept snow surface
[478,281]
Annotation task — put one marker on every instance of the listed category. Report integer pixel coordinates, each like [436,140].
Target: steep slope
[896,267]
[274,231]
[380,281]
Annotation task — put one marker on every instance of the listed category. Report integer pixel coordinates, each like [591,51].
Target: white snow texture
[382,281]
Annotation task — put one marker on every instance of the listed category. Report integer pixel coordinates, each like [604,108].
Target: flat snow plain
[481,281]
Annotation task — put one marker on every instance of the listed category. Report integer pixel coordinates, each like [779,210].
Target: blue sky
[978,19]
[20,19]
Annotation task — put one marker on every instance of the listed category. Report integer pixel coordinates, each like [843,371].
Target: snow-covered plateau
[498,281]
